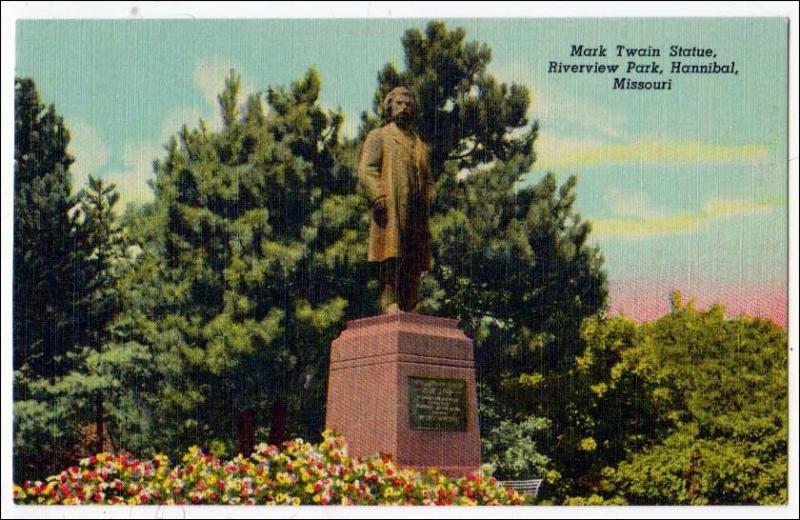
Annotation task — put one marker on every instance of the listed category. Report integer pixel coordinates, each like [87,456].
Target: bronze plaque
[437,404]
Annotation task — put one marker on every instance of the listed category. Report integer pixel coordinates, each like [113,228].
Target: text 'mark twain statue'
[395,174]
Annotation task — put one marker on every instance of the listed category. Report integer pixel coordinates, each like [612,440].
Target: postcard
[399,261]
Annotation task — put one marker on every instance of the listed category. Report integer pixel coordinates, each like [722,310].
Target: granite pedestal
[404,384]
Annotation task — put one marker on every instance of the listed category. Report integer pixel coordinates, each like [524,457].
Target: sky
[686,188]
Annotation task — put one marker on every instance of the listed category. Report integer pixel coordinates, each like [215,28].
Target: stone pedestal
[404,384]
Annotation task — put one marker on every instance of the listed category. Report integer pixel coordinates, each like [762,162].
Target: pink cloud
[646,300]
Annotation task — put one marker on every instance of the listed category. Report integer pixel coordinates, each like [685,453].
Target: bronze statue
[395,174]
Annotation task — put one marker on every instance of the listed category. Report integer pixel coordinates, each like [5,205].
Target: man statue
[395,174]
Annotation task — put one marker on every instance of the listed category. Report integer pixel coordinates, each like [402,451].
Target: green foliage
[512,450]
[44,278]
[691,409]
[511,260]
[253,254]
[59,407]
[251,259]
[69,252]
[463,113]
[224,294]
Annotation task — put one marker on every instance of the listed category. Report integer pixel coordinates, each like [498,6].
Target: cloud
[650,223]
[561,153]
[89,150]
[549,105]
[731,207]
[131,181]
[629,203]
[189,116]
[209,76]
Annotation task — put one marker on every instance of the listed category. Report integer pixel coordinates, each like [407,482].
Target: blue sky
[686,188]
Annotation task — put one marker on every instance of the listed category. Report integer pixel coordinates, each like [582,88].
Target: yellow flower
[296,501]
[305,475]
[316,498]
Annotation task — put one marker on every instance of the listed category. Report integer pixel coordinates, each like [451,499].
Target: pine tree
[44,278]
[101,256]
[511,260]
[249,267]
[68,254]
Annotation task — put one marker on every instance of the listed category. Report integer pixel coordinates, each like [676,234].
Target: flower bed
[301,473]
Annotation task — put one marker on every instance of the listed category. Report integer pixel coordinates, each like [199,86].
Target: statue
[395,174]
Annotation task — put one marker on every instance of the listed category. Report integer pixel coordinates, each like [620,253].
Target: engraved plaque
[437,404]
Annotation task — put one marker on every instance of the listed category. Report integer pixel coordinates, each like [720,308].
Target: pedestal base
[404,384]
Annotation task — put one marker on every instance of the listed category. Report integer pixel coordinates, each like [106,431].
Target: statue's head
[399,106]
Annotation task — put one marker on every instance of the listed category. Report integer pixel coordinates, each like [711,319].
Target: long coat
[394,165]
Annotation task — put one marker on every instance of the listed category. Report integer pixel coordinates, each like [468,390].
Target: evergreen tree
[511,260]
[251,255]
[44,282]
[44,278]
[101,256]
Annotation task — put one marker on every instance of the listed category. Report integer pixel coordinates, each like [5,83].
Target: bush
[301,473]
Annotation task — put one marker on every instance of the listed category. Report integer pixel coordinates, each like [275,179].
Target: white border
[13,11]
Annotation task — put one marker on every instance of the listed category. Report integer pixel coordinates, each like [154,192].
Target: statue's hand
[379,212]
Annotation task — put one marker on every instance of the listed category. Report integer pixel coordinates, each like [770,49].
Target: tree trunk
[100,425]
[246,432]
[277,432]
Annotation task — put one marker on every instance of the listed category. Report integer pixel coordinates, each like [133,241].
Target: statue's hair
[395,93]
